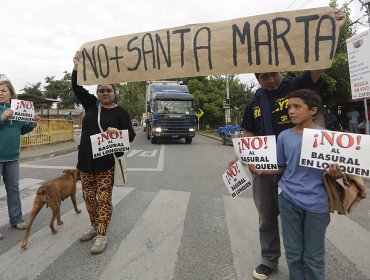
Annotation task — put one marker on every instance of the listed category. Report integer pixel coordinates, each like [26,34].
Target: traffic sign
[199,113]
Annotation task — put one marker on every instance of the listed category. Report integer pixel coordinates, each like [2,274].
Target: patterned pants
[97,193]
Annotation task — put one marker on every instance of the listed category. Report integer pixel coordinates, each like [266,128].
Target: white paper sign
[238,180]
[258,150]
[22,110]
[323,147]
[108,143]
[359,64]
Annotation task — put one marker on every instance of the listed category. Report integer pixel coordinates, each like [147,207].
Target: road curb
[47,155]
[209,136]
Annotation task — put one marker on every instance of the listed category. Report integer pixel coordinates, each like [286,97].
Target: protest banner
[258,150]
[106,143]
[323,147]
[237,180]
[285,41]
[22,110]
[359,64]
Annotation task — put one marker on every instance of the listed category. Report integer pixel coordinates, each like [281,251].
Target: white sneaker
[89,234]
[99,245]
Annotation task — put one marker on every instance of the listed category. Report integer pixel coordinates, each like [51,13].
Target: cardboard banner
[294,41]
[106,143]
[323,147]
[258,150]
[22,110]
[359,64]
[238,180]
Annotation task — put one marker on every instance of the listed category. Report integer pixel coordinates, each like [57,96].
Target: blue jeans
[304,240]
[10,173]
[266,200]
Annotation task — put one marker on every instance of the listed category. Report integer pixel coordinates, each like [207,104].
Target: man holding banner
[267,114]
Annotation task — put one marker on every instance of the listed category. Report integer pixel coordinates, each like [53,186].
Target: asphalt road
[173,220]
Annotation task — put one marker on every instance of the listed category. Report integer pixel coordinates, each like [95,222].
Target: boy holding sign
[303,202]
[11,131]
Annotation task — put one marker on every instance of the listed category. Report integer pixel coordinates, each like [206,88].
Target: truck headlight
[158,129]
[191,129]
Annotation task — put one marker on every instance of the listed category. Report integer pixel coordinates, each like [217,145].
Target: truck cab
[170,112]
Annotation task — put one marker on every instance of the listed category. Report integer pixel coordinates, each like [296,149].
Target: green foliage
[211,92]
[61,89]
[55,89]
[34,89]
[337,84]
[132,98]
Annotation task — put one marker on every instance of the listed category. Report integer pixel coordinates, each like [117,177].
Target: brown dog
[52,193]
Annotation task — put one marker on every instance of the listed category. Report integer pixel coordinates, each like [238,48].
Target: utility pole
[367,4]
[227,103]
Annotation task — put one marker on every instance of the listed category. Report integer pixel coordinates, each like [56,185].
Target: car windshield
[173,107]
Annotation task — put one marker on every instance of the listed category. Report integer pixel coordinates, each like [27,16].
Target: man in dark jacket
[267,114]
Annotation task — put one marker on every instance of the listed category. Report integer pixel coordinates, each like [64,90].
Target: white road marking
[27,204]
[149,153]
[150,250]
[242,224]
[132,153]
[351,239]
[23,183]
[160,165]
[44,248]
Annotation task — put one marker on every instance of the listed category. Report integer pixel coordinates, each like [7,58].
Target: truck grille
[178,125]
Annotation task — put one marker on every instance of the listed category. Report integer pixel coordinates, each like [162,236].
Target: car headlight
[191,129]
[158,129]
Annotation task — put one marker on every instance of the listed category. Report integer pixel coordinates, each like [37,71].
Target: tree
[337,79]
[132,98]
[61,89]
[211,91]
[35,89]
[337,84]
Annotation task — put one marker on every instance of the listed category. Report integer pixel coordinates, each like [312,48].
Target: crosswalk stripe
[242,224]
[150,250]
[45,247]
[23,183]
[352,240]
[27,203]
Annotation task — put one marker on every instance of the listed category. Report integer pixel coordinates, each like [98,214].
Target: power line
[304,4]
[291,4]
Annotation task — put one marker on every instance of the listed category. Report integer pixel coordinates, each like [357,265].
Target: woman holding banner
[11,131]
[97,174]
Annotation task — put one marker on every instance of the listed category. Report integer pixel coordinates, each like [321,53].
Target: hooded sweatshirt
[10,134]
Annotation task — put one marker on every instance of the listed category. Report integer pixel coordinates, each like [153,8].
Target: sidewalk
[44,151]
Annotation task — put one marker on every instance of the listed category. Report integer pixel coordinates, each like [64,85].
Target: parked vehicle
[228,132]
[135,122]
[170,111]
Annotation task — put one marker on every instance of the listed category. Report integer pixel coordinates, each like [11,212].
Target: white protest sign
[22,110]
[358,48]
[238,180]
[258,150]
[323,147]
[106,143]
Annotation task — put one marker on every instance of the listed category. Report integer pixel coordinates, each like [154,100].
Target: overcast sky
[40,37]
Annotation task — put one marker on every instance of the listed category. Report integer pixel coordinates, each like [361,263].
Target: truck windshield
[173,107]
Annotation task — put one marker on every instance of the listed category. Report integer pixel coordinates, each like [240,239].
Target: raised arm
[340,17]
